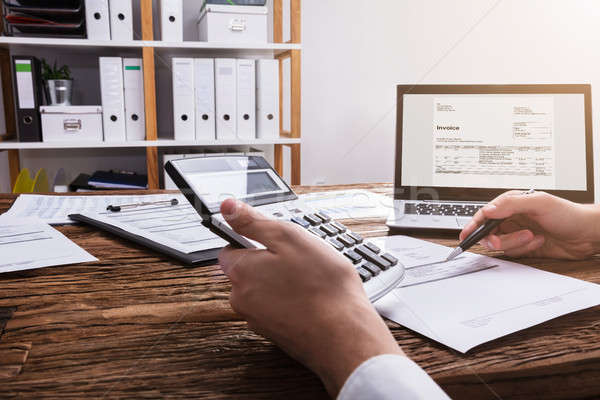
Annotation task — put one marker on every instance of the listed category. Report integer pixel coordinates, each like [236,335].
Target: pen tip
[454,253]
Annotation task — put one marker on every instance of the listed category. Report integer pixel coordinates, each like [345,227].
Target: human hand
[539,225]
[303,295]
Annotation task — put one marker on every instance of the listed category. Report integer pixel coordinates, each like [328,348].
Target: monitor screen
[497,140]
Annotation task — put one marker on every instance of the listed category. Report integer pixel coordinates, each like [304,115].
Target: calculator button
[312,219]
[278,214]
[357,238]
[374,258]
[339,246]
[364,274]
[372,247]
[393,260]
[318,232]
[372,268]
[346,240]
[339,226]
[303,223]
[324,217]
[353,256]
[329,230]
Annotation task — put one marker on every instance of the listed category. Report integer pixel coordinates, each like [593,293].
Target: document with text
[500,142]
[349,204]
[474,299]
[55,209]
[178,227]
[18,236]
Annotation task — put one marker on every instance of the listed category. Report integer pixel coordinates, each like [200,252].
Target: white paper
[18,236]
[346,204]
[178,227]
[505,140]
[55,210]
[475,299]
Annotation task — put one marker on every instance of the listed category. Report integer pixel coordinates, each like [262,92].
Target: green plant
[53,72]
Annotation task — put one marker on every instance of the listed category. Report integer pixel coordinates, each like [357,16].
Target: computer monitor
[474,142]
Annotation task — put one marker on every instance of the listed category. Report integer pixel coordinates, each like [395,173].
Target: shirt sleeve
[390,376]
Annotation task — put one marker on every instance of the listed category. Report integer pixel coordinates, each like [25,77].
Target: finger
[237,264]
[528,249]
[247,221]
[510,241]
[477,220]
[513,203]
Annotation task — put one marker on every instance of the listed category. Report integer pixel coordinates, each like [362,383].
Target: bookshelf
[279,49]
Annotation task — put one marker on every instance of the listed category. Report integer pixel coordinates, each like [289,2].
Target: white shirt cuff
[390,376]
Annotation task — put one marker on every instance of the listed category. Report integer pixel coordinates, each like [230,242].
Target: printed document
[19,236]
[501,142]
[350,204]
[178,227]
[55,210]
[474,299]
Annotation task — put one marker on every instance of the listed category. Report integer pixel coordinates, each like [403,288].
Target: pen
[118,208]
[479,234]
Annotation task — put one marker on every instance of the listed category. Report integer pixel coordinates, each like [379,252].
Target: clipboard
[196,259]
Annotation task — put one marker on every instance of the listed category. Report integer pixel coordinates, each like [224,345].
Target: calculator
[207,181]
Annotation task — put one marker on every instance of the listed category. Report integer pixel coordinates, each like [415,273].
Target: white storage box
[233,24]
[71,123]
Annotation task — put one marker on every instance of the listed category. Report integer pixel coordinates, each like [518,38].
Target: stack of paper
[474,299]
[19,236]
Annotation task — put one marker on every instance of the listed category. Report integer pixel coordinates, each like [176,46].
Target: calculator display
[250,179]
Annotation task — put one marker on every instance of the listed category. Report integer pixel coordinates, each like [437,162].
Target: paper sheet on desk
[178,227]
[475,299]
[27,243]
[350,204]
[54,210]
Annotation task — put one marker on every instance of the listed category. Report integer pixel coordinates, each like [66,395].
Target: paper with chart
[350,204]
[475,299]
[494,141]
[54,210]
[178,227]
[18,236]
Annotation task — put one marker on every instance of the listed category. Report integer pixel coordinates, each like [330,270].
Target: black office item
[117,180]
[27,76]
[81,182]
[204,181]
[58,18]
[199,258]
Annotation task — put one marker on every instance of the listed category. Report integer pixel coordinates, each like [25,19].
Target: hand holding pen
[537,224]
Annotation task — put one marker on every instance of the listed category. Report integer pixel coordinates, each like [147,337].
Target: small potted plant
[59,84]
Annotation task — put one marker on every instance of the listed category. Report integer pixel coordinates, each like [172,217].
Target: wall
[355,52]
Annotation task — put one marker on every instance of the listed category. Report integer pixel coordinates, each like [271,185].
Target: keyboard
[379,271]
[446,209]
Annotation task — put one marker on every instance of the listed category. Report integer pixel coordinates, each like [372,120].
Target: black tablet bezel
[486,194]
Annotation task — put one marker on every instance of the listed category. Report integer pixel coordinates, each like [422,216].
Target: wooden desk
[136,324]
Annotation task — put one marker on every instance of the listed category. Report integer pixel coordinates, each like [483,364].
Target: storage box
[233,24]
[71,123]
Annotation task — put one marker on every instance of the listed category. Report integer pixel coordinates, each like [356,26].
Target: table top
[137,324]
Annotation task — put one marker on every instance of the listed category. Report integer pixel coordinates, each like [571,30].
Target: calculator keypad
[365,256]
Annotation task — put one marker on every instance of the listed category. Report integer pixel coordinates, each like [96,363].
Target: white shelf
[9,41]
[10,145]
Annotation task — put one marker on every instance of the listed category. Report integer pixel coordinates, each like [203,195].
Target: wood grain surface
[138,325]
